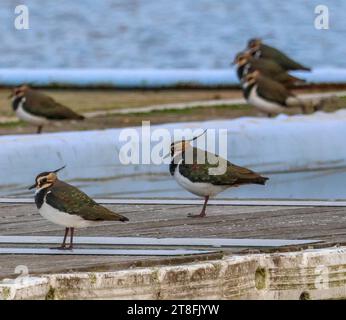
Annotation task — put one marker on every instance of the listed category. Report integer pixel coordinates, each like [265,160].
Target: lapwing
[261,50]
[39,109]
[269,96]
[192,169]
[246,63]
[65,205]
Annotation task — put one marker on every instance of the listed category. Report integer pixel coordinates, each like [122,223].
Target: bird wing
[267,67]
[272,91]
[67,198]
[41,105]
[288,80]
[281,58]
[225,173]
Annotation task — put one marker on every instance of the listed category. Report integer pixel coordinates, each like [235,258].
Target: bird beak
[10,96]
[233,63]
[32,187]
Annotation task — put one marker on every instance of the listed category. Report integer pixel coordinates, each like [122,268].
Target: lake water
[165,34]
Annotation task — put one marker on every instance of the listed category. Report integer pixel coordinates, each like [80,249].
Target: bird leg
[71,239]
[203,213]
[39,129]
[63,245]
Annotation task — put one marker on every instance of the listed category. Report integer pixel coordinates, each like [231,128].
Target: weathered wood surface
[324,223]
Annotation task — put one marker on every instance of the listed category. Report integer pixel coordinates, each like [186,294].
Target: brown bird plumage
[37,108]
[66,205]
[247,64]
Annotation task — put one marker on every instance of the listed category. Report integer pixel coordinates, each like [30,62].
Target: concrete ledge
[310,274]
[250,143]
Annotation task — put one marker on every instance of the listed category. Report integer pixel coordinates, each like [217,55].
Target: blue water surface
[166,34]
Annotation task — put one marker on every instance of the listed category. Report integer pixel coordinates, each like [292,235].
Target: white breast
[62,218]
[263,105]
[25,116]
[197,188]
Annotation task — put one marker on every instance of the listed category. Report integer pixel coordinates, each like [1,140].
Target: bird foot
[62,248]
[201,215]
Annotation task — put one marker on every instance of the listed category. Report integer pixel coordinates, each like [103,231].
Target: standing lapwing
[246,64]
[67,206]
[38,109]
[206,174]
[260,50]
[269,96]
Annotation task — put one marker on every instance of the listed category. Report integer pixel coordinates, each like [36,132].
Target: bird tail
[76,116]
[123,219]
[261,180]
[68,114]
[295,80]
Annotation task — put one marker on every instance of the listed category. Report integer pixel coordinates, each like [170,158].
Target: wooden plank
[170,221]
[259,202]
[140,241]
[102,252]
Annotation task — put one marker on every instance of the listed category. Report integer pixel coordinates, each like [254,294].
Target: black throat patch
[39,197]
[16,102]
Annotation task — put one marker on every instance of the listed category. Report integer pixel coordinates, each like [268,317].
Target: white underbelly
[263,105]
[198,188]
[27,117]
[62,218]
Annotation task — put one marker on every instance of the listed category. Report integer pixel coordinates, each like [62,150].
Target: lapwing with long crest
[246,64]
[206,174]
[39,109]
[65,205]
[260,50]
[269,96]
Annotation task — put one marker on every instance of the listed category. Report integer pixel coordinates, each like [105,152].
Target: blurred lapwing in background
[246,64]
[260,50]
[39,109]
[269,96]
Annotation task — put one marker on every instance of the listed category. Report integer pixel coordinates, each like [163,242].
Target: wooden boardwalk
[264,222]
